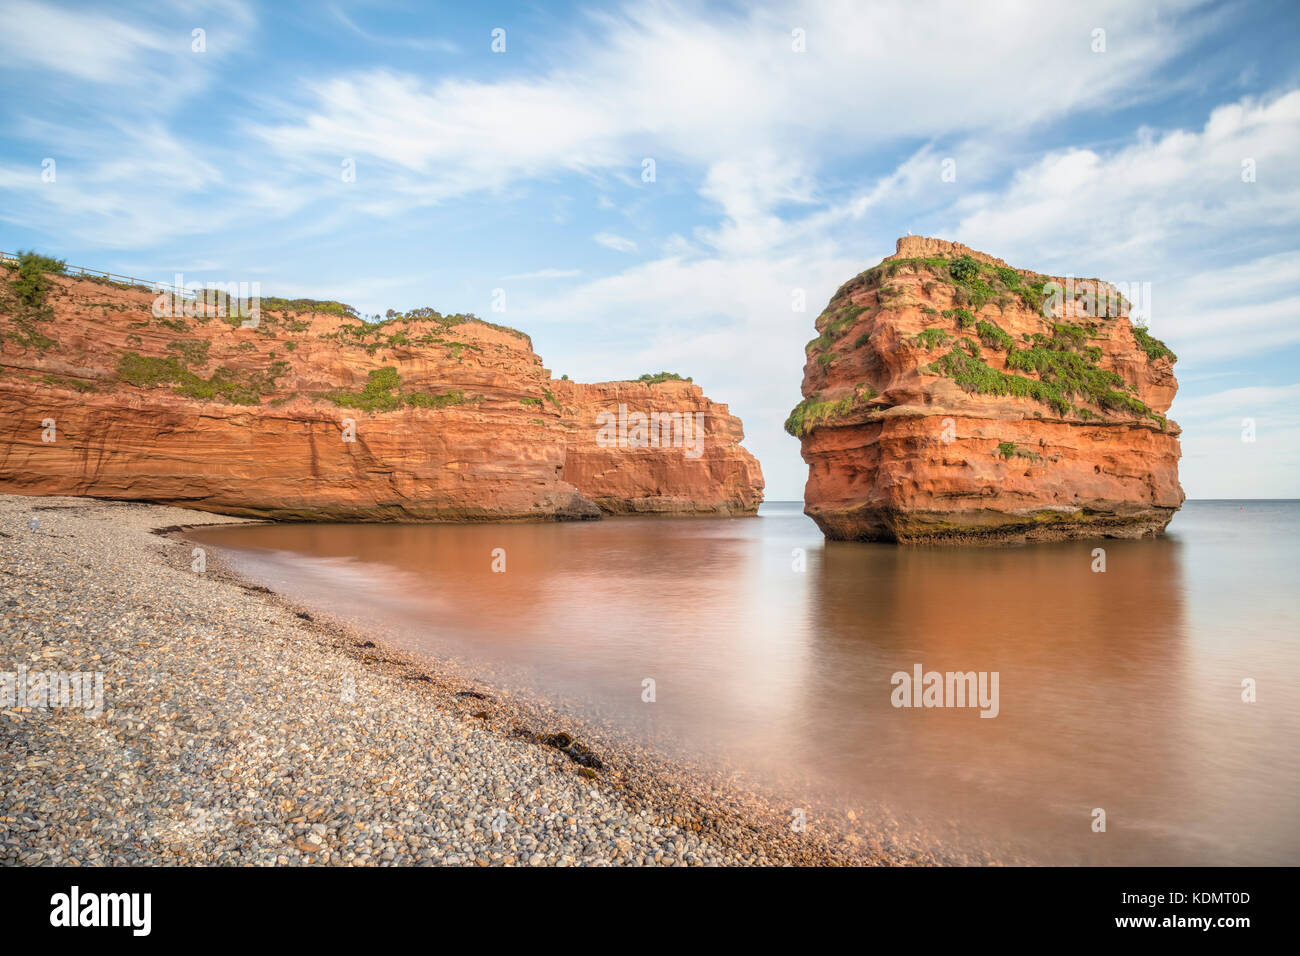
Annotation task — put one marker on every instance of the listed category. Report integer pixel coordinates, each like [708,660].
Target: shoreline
[322,744]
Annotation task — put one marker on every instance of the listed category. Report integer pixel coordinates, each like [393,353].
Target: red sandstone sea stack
[951,398]
[447,418]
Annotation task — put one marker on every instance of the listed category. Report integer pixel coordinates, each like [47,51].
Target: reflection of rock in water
[1093,684]
[1113,694]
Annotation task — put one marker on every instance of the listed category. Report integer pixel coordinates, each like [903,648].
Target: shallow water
[1119,690]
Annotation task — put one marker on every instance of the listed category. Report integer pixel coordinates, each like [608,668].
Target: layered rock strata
[314,414]
[951,398]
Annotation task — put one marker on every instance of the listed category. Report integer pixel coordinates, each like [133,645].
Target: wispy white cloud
[152,48]
[715,89]
[1173,210]
[431,44]
[1149,199]
[544,274]
[90,46]
[723,92]
[1241,442]
[1250,398]
[617,243]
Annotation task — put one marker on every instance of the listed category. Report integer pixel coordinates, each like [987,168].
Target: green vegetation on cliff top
[31,283]
[654,378]
[1152,346]
[1065,367]
[1064,371]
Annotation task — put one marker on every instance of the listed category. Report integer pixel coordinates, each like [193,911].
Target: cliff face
[951,398]
[315,415]
[684,458]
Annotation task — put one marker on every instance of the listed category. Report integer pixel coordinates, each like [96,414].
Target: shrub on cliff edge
[1152,346]
[964,269]
[33,282]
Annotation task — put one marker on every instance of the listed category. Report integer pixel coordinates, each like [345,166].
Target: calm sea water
[1119,690]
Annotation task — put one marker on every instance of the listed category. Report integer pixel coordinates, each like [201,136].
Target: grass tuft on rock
[993,336]
[383,393]
[812,412]
[234,387]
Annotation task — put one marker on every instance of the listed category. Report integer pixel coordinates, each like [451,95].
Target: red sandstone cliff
[943,401]
[452,418]
[691,462]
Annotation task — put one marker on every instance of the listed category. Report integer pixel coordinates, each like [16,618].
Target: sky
[642,187]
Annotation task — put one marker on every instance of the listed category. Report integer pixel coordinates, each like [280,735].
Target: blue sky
[775,169]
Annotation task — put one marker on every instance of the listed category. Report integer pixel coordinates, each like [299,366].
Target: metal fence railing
[114,277]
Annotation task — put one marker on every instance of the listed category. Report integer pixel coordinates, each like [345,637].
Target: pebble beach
[237,729]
